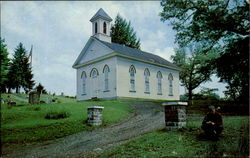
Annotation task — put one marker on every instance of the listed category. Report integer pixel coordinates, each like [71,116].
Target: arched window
[83,77]
[104,28]
[106,77]
[95,27]
[94,73]
[170,80]
[132,72]
[159,78]
[146,76]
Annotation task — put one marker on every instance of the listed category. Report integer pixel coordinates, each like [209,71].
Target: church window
[95,27]
[106,77]
[94,73]
[104,28]
[132,72]
[83,77]
[170,80]
[159,78]
[146,75]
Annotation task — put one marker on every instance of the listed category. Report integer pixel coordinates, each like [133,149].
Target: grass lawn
[186,142]
[26,123]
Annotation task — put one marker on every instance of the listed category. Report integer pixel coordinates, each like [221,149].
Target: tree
[196,68]
[236,71]
[4,66]
[27,76]
[123,33]
[207,93]
[20,74]
[215,23]
[40,88]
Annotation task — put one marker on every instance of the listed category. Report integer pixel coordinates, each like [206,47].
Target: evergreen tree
[27,76]
[20,74]
[40,88]
[123,33]
[222,23]
[4,66]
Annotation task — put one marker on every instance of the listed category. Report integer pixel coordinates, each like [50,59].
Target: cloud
[165,53]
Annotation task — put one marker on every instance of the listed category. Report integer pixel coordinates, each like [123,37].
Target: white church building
[109,70]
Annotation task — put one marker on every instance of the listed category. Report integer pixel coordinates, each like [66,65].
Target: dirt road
[148,117]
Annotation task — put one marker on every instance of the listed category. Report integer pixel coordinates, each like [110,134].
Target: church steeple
[101,25]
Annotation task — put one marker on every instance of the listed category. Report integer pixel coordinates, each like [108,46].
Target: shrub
[57,115]
[34,108]
[42,102]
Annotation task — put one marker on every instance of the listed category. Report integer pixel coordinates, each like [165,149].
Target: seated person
[212,123]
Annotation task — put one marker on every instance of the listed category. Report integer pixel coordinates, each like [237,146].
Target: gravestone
[34,97]
[48,100]
[2,101]
[175,114]
[95,115]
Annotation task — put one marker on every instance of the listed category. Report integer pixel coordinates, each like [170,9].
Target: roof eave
[124,56]
[105,18]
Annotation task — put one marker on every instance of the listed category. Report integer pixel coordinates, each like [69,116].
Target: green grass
[186,142]
[12,98]
[27,123]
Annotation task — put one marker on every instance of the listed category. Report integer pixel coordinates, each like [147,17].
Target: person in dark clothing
[212,123]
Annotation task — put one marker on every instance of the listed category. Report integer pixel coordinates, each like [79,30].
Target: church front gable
[92,51]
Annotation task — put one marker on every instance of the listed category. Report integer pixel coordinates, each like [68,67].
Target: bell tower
[101,25]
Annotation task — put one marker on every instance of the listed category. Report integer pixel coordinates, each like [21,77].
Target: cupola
[101,25]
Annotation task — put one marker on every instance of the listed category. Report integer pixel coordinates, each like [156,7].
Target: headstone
[48,101]
[175,114]
[34,97]
[95,115]
[11,104]
[62,94]
[2,101]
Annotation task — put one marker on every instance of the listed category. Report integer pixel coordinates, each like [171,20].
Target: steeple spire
[101,14]
[101,25]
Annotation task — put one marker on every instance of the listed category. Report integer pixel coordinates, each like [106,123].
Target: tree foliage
[123,33]
[233,68]
[196,67]
[4,65]
[40,88]
[207,94]
[20,74]
[215,23]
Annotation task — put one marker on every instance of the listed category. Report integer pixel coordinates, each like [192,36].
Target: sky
[58,31]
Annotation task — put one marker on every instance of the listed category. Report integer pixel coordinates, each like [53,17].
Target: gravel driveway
[148,116]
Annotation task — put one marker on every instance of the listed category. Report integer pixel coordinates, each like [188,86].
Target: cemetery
[174,125]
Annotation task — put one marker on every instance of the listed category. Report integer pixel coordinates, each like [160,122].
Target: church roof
[136,53]
[101,14]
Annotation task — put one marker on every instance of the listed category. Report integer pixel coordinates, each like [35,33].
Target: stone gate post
[175,114]
[95,115]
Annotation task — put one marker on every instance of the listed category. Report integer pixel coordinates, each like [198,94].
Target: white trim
[84,50]
[111,55]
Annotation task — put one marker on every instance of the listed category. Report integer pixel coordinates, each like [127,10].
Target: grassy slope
[186,142]
[26,123]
